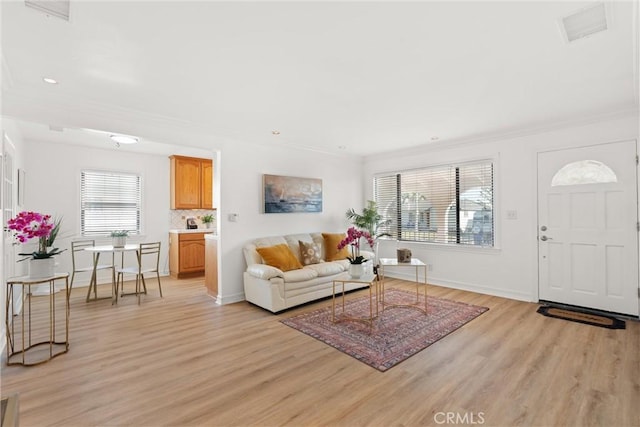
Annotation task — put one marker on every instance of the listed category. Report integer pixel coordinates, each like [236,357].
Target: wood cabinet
[191,183]
[186,254]
[211,267]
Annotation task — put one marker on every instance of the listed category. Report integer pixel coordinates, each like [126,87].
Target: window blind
[441,204]
[109,201]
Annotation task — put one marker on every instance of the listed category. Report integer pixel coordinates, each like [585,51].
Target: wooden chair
[83,262]
[148,261]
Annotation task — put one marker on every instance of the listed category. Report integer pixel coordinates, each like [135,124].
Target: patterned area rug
[396,334]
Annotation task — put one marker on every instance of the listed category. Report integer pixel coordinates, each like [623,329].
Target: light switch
[233,217]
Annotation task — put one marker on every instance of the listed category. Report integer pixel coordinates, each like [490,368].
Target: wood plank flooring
[184,361]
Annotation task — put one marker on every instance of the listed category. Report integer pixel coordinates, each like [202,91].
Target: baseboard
[470,287]
[230,299]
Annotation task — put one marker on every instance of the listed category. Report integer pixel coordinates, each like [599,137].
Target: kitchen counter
[194,230]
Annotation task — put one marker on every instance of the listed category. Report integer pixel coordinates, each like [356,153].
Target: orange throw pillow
[279,256]
[331,241]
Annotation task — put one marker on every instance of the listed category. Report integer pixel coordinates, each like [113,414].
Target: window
[441,204]
[109,201]
[584,172]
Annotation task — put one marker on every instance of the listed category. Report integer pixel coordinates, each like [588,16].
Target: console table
[28,341]
[418,265]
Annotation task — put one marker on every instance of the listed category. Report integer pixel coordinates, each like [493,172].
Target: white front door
[587,227]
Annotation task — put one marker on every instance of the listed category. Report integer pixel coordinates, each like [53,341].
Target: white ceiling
[341,77]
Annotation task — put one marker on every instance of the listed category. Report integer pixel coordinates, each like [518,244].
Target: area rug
[397,334]
[581,316]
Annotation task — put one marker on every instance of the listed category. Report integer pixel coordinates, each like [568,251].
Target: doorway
[588,227]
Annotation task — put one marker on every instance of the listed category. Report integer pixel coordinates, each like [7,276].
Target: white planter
[356,270]
[119,241]
[44,267]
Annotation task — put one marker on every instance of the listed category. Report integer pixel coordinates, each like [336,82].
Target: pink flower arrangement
[28,225]
[353,239]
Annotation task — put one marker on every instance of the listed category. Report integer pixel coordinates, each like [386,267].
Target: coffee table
[369,279]
[418,265]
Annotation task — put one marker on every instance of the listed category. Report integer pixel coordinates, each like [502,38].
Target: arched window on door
[584,172]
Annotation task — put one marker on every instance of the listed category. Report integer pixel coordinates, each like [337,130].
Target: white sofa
[275,290]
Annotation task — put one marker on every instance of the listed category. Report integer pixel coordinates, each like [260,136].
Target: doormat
[396,335]
[582,316]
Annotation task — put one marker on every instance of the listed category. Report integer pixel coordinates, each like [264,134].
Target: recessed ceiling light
[275,132]
[124,139]
[50,80]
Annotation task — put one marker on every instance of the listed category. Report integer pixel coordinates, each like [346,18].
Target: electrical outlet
[512,214]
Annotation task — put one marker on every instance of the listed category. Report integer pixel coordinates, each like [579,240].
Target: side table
[417,264]
[371,281]
[23,343]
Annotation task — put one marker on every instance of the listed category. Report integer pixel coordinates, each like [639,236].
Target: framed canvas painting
[287,194]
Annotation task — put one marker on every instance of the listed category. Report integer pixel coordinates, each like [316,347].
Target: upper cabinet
[191,183]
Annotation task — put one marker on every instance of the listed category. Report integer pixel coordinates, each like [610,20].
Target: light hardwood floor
[184,361]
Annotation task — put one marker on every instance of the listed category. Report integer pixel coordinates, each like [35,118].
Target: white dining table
[97,250]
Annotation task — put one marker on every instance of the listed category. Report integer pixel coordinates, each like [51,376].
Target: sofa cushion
[331,241]
[300,275]
[310,253]
[279,256]
[327,268]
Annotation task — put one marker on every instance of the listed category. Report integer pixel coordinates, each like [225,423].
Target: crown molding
[511,133]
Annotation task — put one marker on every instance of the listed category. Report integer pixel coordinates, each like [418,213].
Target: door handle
[545,238]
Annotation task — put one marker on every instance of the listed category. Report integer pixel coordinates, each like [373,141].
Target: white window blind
[441,204]
[110,201]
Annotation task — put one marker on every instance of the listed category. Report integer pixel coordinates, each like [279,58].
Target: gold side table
[372,281]
[21,345]
[417,264]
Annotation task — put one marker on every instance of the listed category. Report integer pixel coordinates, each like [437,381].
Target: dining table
[108,249]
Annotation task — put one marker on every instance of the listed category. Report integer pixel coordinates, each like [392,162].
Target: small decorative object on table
[404,255]
[207,220]
[27,225]
[356,269]
[119,238]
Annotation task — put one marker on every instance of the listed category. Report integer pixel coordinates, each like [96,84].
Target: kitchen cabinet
[191,183]
[186,254]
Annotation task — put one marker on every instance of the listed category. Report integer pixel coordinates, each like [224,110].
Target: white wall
[241,170]
[16,148]
[53,186]
[510,269]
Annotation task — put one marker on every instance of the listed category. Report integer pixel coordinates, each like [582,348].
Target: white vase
[42,267]
[119,241]
[356,270]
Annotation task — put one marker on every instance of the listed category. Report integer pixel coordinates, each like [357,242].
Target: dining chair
[83,261]
[148,261]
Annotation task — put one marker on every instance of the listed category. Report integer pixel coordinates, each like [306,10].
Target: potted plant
[371,221]
[356,269]
[207,220]
[28,225]
[119,238]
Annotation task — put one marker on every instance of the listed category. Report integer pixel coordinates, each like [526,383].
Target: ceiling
[349,78]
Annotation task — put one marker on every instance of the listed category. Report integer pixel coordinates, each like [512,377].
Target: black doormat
[582,316]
